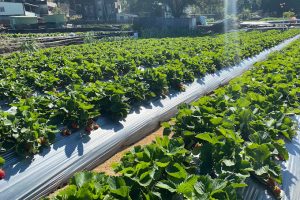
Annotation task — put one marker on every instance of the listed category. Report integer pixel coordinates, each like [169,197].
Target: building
[31,7]
[125,18]
[100,10]
[22,10]
[8,9]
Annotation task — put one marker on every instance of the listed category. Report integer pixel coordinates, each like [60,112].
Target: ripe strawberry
[271,182]
[96,126]
[90,121]
[42,140]
[88,129]
[277,191]
[74,125]
[2,174]
[281,158]
[180,85]
[66,132]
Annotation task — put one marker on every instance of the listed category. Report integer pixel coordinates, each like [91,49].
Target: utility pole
[282,5]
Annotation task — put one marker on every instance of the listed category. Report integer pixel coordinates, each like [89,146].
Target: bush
[245,14]
[29,46]
[289,14]
[89,38]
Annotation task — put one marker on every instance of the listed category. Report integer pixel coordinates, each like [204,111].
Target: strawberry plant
[135,91]
[157,82]
[71,85]
[114,96]
[217,142]
[73,107]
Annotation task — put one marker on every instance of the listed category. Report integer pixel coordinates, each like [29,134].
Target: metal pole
[282,5]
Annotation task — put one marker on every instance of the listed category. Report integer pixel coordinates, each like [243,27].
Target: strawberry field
[21,42]
[215,144]
[71,85]
[66,89]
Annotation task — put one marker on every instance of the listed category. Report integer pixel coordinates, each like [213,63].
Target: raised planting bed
[11,43]
[234,136]
[98,146]
[48,89]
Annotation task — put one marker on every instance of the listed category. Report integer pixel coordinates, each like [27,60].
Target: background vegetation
[247,9]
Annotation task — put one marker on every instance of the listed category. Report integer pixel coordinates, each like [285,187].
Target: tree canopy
[177,6]
[272,8]
[216,7]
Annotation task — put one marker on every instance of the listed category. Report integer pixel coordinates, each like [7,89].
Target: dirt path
[106,166]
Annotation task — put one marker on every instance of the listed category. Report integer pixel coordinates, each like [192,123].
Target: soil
[106,166]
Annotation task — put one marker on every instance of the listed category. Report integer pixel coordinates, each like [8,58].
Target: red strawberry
[42,140]
[2,174]
[74,125]
[96,126]
[277,191]
[271,182]
[88,129]
[281,158]
[66,132]
[90,121]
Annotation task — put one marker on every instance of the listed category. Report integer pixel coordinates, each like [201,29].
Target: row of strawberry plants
[33,122]
[46,35]
[214,144]
[24,74]
[6,36]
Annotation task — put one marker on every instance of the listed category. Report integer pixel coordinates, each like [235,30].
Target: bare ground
[106,166]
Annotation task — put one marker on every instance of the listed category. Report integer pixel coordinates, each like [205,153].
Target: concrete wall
[125,18]
[8,9]
[4,20]
[21,22]
[165,23]
[57,18]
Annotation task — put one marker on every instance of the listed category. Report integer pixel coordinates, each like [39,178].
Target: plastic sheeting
[31,179]
[290,173]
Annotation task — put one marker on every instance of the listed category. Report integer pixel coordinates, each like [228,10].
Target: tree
[154,7]
[59,10]
[61,1]
[213,7]
[144,7]
[245,14]
[178,6]
[106,4]
[289,14]
[274,7]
